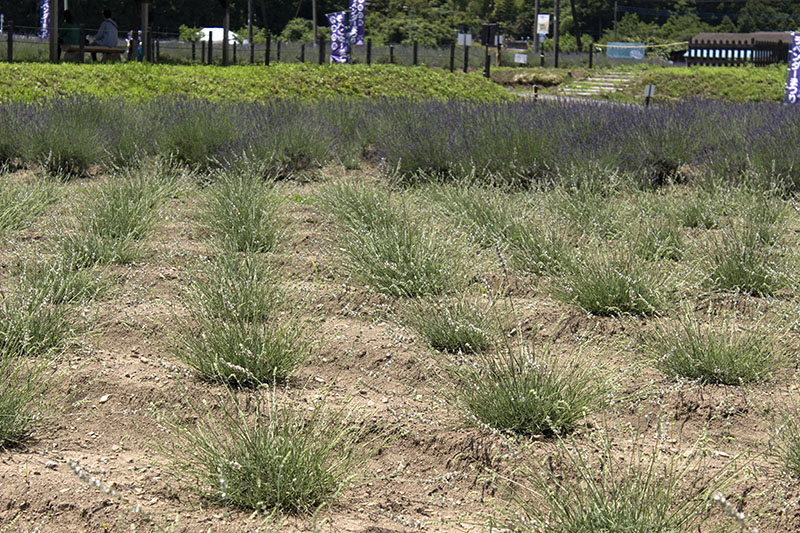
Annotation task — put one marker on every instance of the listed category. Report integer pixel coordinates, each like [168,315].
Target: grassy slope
[32,81]
[736,84]
[740,84]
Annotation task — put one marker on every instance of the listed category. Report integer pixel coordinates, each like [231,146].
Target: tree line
[434,22]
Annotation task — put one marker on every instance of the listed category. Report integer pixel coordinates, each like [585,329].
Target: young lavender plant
[276,456]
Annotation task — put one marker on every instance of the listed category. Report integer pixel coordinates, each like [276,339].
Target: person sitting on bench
[107,34]
[69,33]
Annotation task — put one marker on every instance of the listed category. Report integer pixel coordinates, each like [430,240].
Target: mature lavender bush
[519,143]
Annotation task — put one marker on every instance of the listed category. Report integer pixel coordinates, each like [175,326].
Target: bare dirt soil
[437,472]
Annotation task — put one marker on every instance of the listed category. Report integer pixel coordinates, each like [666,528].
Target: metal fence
[166,48]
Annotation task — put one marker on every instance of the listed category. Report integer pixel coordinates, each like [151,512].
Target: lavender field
[517,143]
[397,315]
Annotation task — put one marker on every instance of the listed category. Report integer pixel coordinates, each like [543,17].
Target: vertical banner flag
[357,21]
[543,23]
[793,81]
[45,8]
[339,38]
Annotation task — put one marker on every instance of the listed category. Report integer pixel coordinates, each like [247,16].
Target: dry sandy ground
[435,474]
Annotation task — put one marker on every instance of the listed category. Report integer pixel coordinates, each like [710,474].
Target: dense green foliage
[28,82]
[435,21]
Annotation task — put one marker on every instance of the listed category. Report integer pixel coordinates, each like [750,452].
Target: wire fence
[28,46]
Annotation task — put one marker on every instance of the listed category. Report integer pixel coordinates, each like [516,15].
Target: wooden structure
[737,49]
[73,52]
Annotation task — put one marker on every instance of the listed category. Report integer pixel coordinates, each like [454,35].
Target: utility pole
[576,25]
[314,19]
[145,30]
[536,27]
[615,20]
[226,27]
[250,31]
[53,30]
[556,22]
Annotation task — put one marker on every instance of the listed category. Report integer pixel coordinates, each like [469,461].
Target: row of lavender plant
[516,142]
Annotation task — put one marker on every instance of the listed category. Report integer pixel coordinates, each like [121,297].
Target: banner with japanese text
[357,18]
[45,9]
[793,81]
[339,45]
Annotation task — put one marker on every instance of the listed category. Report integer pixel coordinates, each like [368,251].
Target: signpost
[649,92]
[542,26]
[793,78]
[488,34]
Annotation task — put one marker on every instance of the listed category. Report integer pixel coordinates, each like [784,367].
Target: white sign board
[520,58]
[649,91]
[543,24]
[464,39]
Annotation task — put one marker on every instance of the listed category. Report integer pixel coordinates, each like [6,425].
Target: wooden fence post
[466,57]
[391,54]
[369,51]
[11,41]
[452,56]
[277,51]
[210,47]
[194,50]
[591,55]
[81,42]
[269,46]
[234,52]
[487,63]
[302,52]
[415,53]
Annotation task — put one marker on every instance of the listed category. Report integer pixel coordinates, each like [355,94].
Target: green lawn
[34,81]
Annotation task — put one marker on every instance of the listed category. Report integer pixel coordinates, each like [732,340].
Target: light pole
[314,19]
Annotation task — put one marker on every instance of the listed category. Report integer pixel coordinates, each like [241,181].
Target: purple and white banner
[339,46]
[357,18]
[45,8]
[793,81]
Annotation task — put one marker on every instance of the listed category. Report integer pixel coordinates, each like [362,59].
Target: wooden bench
[72,52]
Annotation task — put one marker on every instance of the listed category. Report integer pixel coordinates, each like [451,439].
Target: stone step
[598,83]
[581,94]
[598,87]
[610,78]
[593,87]
[584,91]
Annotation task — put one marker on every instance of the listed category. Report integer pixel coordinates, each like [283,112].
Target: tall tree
[575,25]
